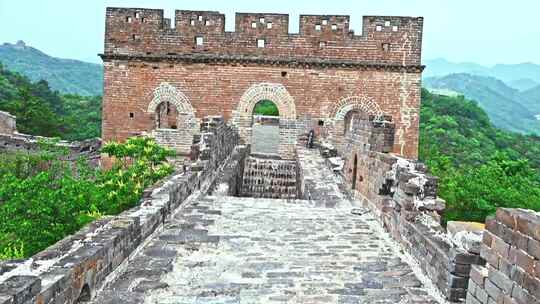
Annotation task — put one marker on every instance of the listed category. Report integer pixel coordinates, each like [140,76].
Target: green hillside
[507,108]
[480,167]
[41,111]
[65,75]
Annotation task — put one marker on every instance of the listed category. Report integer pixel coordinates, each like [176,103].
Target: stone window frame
[385,46]
[318,27]
[253,25]
[269,25]
[334,27]
[259,45]
[378,28]
[395,28]
[324,22]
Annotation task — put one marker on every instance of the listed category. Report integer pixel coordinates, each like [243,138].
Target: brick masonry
[403,196]
[511,248]
[313,74]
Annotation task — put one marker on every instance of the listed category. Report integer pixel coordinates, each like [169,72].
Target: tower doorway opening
[265,128]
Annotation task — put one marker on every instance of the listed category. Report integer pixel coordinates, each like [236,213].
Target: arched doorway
[280,97]
[355,172]
[345,112]
[265,128]
[174,118]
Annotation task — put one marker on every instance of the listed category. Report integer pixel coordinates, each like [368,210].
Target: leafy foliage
[266,107]
[43,199]
[480,167]
[41,111]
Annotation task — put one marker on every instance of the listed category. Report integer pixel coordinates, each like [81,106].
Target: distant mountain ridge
[507,107]
[64,75]
[521,76]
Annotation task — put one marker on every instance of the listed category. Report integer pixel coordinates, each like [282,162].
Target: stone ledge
[274,61]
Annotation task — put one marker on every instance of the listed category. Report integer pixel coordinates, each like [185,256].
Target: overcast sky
[482,31]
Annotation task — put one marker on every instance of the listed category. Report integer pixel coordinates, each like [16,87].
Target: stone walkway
[244,250]
[265,139]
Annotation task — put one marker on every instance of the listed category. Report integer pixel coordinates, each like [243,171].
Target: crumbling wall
[403,196]
[7,123]
[73,269]
[511,248]
[87,149]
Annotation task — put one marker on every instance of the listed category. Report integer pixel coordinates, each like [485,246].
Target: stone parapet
[511,248]
[73,269]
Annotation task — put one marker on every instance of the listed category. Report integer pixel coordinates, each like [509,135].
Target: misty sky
[482,31]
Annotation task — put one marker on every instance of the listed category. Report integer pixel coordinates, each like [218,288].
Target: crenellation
[136,32]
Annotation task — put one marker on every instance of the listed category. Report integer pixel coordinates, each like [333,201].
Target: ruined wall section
[146,33]
[7,123]
[403,196]
[73,269]
[511,248]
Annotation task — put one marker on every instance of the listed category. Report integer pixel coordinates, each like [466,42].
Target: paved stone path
[265,139]
[245,250]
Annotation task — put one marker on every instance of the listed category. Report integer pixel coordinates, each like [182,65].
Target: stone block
[21,289]
[500,279]
[479,274]
[492,290]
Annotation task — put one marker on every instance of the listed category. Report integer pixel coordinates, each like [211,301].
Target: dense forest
[42,111]
[479,166]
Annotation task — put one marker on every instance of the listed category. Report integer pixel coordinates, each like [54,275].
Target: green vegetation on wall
[480,167]
[42,199]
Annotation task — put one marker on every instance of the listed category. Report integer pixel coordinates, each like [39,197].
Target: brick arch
[179,139]
[167,92]
[278,94]
[362,104]
[357,103]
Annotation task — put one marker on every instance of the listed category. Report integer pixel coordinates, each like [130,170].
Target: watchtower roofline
[385,40]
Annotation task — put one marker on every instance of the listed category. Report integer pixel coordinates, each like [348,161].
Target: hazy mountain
[64,75]
[523,84]
[533,96]
[521,76]
[507,107]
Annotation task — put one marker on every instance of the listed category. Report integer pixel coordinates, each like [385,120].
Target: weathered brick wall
[403,196]
[511,248]
[270,178]
[7,123]
[216,79]
[144,32]
[76,267]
